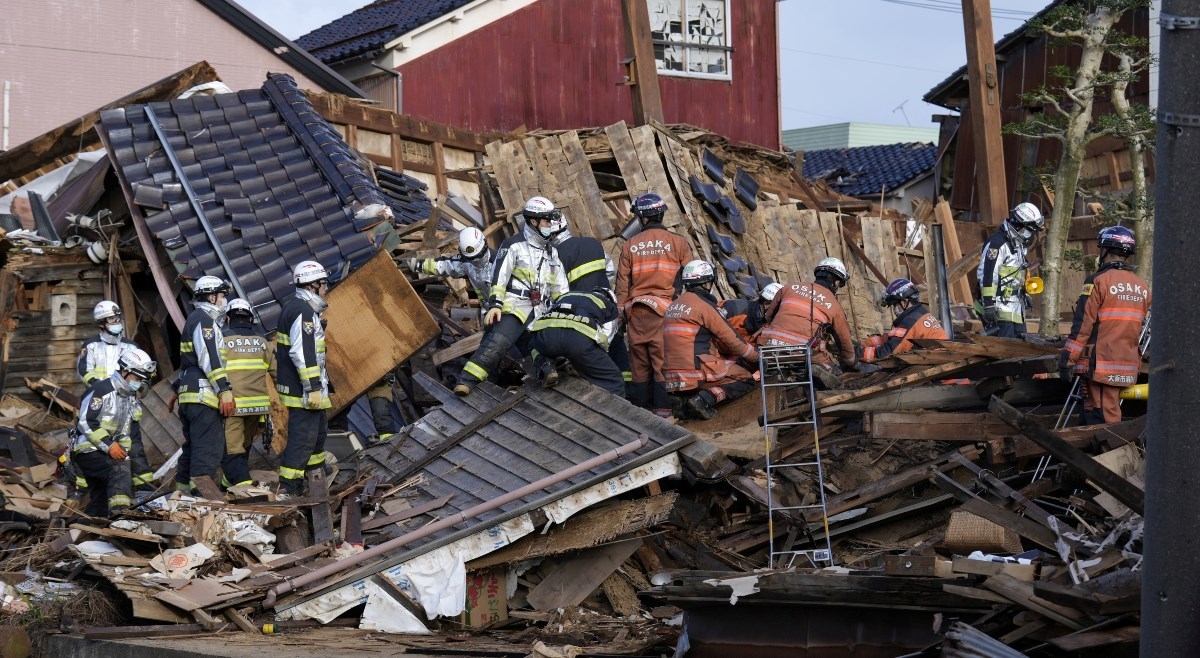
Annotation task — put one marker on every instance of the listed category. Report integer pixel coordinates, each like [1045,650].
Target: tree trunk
[1066,179]
[1143,228]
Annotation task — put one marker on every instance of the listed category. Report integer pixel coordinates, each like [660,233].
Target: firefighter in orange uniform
[702,349]
[647,281]
[746,315]
[913,321]
[803,312]
[1104,345]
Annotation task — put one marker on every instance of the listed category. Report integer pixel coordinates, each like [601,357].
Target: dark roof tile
[365,31]
[865,170]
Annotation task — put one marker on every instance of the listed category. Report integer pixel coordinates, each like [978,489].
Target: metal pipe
[453,519]
[196,208]
[943,287]
[1171,590]
[4,139]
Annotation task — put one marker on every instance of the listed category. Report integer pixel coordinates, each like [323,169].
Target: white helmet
[697,272]
[307,272]
[239,306]
[1023,222]
[105,310]
[539,207]
[834,267]
[767,294]
[138,362]
[209,285]
[471,243]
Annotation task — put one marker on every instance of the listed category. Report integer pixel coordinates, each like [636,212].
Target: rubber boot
[701,405]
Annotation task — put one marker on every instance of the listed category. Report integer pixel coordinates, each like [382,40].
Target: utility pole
[641,72]
[984,107]
[1170,580]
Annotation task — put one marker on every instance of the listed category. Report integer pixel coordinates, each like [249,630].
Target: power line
[863,61]
[997,14]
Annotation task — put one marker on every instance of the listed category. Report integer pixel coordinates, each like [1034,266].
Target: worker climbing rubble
[912,321]
[1104,346]
[473,262]
[647,281]
[588,268]
[528,275]
[578,328]
[1002,271]
[703,351]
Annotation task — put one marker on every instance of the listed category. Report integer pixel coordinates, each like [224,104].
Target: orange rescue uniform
[1103,345]
[914,324]
[703,349]
[803,311]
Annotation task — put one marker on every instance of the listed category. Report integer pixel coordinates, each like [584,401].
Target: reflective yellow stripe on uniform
[586,268]
[311,372]
[316,458]
[475,371]
[186,346]
[253,400]
[245,364]
[290,473]
[119,500]
[283,339]
[144,478]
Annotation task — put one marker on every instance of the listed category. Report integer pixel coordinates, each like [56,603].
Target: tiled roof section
[865,170]
[276,181]
[406,195]
[365,31]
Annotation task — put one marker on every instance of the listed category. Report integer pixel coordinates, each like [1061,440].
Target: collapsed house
[523,520]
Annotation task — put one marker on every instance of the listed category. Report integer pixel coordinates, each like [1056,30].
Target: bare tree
[1067,118]
[1136,124]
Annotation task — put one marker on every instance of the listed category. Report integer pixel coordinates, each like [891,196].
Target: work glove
[414,265]
[492,317]
[1066,372]
[116,451]
[866,368]
[228,405]
[171,402]
[989,315]
[312,400]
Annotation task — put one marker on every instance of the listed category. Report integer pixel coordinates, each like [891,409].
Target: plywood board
[569,582]
[376,321]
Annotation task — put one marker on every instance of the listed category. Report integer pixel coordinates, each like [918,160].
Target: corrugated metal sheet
[277,182]
[556,65]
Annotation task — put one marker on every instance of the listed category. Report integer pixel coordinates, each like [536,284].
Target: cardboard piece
[487,601]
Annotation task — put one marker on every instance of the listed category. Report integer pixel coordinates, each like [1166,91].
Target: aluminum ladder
[789,369]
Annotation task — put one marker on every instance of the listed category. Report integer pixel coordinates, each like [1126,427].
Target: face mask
[135,385]
[1026,235]
[546,231]
[115,329]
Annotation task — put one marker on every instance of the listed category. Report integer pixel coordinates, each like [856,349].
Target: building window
[691,37]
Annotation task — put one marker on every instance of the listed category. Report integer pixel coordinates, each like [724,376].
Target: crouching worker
[108,431]
[912,321]
[702,349]
[746,315]
[578,328]
[805,313]
[248,358]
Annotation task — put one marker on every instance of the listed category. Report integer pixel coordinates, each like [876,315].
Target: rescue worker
[804,313]
[528,275]
[303,382]
[1002,271]
[98,358]
[204,391]
[588,268]
[702,350]
[473,263]
[647,281]
[106,431]
[746,315]
[248,359]
[912,321]
[578,328]
[1104,345]
[381,398]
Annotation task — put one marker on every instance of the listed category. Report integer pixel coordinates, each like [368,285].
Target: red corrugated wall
[556,64]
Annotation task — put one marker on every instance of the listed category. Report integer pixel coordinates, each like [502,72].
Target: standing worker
[528,275]
[588,269]
[98,358]
[473,263]
[248,359]
[106,430]
[747,316]
[303,377]
[1002,271]
[578,328]
[1104,344]
[803,313]
[702,350]
[647,281]
[913,321]
[204,392]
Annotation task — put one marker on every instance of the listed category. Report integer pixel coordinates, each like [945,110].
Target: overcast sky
[842,60]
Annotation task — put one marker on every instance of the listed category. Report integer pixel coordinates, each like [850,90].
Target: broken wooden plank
[322,515]
[119,534]
[1080,641]
[1023,595]
[934,426]
[462,347]
[884,486]
[1107,481]
[571,581]
[381,521]
[404,600]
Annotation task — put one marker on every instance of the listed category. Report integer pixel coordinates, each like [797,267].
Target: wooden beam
[336,109]
[642,75]
[983,81]
[960,289]
[1104,479]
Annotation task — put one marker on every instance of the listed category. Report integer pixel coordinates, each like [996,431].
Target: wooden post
[984,83]
[642,72]
[960,287]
